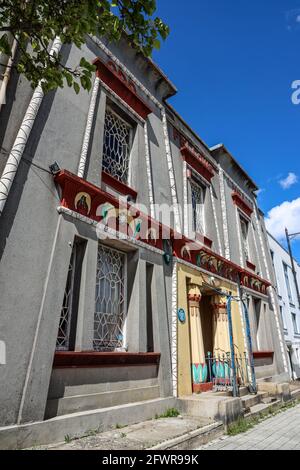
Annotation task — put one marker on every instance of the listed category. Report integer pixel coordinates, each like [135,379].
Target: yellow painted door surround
[198,364]
[192,345]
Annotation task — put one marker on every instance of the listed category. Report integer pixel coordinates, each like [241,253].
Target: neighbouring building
[288,302]
[108,297]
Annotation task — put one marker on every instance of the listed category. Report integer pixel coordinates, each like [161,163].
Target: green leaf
[69,78]
[156,44]
[72,21]
[4,44]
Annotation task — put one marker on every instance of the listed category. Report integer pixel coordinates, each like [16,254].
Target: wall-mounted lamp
[54,168]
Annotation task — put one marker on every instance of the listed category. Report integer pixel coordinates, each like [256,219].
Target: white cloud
[260,191]
[287,182]
[286,215]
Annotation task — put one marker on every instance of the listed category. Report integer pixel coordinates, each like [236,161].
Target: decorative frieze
[197,162]
[91,202]
[88,129]
[241,203]
[114,77]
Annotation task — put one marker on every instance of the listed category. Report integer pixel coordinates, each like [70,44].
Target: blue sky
[233,62]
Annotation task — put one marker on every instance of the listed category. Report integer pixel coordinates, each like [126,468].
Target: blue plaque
[181,315]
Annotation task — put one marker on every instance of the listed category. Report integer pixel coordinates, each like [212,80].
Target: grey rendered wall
[30,240]
[36,242]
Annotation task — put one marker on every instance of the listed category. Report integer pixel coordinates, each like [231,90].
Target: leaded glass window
[117,146]
[244,230]
[110,300]
[198,193]
[63,336]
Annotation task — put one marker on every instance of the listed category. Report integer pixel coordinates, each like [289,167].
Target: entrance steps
[212,406]
[76,390]
[74,425]
[249,401]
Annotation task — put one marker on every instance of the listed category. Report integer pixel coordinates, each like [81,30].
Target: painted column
[199,367]
[221,344]
[224,213]
[172,181]
[88,129]
[149,172]
[211,192]
[220,326]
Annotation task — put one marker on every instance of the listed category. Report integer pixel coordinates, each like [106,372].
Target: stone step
[243,391]
[261,407]
[250,400]
[211,406]
[81,381]
[295,394]
[193,439]
[77,424]
[93,388]
[78,403]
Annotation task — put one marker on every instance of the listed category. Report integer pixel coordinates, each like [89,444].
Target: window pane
[295,323]
[63,336]
[110,300]
[198,207]
[116,148]
[244,230]
[287,281]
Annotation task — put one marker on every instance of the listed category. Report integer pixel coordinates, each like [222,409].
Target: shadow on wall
[14,197]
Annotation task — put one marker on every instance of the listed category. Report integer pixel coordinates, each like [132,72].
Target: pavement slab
[280,432]
[134,437]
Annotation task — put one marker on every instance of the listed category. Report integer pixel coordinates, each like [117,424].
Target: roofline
[187,125]
[222,146]
[168,105]
[151,62]
[163,75]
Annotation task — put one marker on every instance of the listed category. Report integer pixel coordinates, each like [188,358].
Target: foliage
[34,24]
[244,424]
[120,426]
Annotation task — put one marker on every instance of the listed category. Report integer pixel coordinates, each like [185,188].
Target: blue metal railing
[224,375]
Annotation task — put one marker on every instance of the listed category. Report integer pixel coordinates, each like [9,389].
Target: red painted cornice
[118,186]
[250,265]
[263,354]
[197,162]
[239,201]
[203,239]
[122,85]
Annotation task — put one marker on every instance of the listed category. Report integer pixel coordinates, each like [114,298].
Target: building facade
[122,237]
[288,302]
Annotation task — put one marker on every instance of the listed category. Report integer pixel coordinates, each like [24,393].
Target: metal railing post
[233,367]
[248,333]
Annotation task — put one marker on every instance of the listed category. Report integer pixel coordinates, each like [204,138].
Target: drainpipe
[235,391]
[7,72]
[253,388]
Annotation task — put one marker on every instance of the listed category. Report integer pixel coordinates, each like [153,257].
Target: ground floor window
[66,335]
[110,308]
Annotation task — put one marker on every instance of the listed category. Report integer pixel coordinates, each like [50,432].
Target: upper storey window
[287,281]
[198,196]
[245,230]
[117,146]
